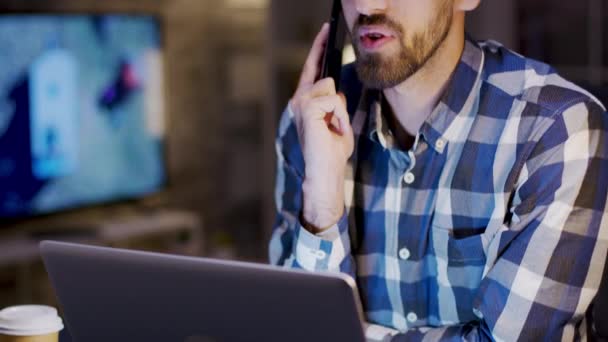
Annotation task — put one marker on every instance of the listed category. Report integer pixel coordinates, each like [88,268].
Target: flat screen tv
[81,111]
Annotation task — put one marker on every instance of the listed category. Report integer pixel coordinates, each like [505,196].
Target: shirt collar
[457,101]
[380,130]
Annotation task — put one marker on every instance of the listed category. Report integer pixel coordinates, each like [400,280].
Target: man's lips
[383,30]
[374,37]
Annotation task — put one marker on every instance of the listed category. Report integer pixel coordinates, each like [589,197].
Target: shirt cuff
[324,251]
[378,333]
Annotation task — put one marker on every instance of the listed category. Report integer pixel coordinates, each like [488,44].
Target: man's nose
[370,7]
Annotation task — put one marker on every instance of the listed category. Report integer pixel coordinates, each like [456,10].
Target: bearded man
[461,185]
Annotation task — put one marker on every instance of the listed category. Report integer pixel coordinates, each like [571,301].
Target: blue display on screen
[81,111]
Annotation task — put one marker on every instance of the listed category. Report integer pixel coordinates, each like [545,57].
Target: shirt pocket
[471,250]
[460,265]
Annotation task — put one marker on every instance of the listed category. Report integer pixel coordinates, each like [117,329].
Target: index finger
[311,67]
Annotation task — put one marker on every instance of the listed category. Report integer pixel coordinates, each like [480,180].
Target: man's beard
[378,72]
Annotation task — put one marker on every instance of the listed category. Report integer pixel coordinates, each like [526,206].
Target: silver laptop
[119,295]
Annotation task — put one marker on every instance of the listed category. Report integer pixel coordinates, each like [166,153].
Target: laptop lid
[120,295]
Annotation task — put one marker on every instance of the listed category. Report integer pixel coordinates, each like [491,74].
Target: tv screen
[81,111]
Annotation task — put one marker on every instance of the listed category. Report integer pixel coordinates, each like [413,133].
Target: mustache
[378,19]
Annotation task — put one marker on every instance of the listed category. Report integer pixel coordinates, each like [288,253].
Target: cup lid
[30,320]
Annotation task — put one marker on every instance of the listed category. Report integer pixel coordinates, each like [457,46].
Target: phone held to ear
[332,57]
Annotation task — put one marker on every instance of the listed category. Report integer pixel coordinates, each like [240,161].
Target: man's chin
[383,54]
[375,74]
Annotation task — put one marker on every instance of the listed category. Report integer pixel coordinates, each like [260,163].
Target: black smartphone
[332,57]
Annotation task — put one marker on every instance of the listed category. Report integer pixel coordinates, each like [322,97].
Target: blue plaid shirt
[493,226]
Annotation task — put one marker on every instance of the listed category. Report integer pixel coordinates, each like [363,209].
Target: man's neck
[414,100]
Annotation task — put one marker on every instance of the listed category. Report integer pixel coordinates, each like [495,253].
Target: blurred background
[149,124]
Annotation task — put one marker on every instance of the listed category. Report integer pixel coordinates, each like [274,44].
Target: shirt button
[404,253]
[320,255]
[412,317]
[477,313]
[440,144]
[409,178]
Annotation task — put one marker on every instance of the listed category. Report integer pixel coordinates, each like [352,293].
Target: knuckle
[305,105]
[300,99]
[337,102]
[329,84]
[325,86]
[310,106]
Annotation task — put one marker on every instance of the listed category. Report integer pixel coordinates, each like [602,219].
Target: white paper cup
[30,323]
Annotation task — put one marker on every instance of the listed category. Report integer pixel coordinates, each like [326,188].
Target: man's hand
[326,138]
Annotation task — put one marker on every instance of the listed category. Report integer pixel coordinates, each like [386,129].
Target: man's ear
[466,5]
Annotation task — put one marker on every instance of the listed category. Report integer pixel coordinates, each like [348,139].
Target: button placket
[404,253]
[409,178]
[440,144]
[412,317]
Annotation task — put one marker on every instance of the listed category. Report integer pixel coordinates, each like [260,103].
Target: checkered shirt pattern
[492,227]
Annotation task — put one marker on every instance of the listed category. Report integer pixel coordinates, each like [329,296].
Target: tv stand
[168,231]
[71,233]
